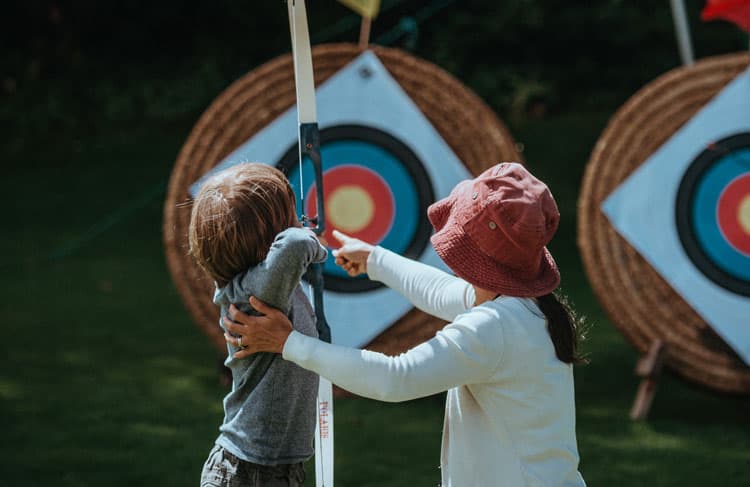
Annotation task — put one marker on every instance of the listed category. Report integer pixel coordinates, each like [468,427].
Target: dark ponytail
[564,327]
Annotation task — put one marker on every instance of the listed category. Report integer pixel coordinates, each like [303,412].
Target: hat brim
[465,259]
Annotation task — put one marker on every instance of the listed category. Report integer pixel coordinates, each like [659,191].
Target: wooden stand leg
[364,32]
[649,368]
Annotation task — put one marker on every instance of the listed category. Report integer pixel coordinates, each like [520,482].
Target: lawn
[104,380]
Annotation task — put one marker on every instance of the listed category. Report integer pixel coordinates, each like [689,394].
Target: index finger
[236,315]
[236,328]
[260,306]
[343,238]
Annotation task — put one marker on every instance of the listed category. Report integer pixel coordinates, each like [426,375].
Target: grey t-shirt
[269,416]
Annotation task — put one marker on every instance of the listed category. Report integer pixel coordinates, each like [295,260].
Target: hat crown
[512,217]
[507,215]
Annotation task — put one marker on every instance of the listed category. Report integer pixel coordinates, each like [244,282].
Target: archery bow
[309,147]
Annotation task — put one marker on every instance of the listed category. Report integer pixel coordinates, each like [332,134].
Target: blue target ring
[704,213]
[355,146]
[699,226]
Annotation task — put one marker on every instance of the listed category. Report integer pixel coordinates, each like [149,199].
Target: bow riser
[309,140]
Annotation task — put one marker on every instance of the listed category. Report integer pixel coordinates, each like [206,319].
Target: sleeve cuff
[294,346]
[374,261]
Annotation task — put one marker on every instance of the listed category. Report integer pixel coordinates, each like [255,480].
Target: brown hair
[235,217]
[564,327]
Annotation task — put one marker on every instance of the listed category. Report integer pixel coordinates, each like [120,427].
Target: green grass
[105,381]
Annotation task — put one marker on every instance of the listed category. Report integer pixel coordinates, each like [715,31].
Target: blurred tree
[81,63]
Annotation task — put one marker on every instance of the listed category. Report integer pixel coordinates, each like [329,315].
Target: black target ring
[401,169]
[690,227]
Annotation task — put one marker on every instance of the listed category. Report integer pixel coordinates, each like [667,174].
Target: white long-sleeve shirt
[510,409]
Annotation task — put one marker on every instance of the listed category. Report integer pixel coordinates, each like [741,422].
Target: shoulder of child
[274,279]
[300,242]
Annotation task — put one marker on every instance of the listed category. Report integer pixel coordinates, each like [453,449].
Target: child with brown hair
[245,234]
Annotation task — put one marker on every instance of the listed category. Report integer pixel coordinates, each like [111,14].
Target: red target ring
[358,203]
[733,213]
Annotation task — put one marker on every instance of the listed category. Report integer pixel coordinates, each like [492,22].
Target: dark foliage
[78,64]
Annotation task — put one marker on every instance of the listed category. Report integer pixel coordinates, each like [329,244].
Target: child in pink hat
[506,357]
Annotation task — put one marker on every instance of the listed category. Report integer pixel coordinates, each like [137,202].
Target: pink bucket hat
[492,231]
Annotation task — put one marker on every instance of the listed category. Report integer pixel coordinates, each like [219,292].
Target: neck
[483,295]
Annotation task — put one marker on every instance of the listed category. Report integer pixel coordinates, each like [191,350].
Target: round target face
[375,189]
[358,202]
[713,213]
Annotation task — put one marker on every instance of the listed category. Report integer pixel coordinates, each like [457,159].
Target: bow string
[309,146]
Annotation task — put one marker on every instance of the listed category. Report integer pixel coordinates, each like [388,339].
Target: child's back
[245,234]
[270,412]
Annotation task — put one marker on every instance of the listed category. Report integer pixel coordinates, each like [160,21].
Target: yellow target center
[743,214]
[350,208]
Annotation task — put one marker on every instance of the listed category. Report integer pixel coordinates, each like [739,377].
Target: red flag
[737,11]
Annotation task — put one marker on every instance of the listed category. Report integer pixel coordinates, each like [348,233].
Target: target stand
[664,225]
[378,177]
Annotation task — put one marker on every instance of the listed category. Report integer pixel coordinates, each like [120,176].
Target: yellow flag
[365,8]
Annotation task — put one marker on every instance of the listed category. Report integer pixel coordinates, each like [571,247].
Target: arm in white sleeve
[429,289]
[465,352]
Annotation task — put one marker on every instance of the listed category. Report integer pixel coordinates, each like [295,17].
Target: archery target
[366,121]
[713,213]
[668,208]
[663,216]
[375,188]
[425,130]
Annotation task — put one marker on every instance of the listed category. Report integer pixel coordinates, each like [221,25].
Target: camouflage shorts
[222,469]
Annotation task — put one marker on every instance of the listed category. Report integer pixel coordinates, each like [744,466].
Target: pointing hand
[352,255]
